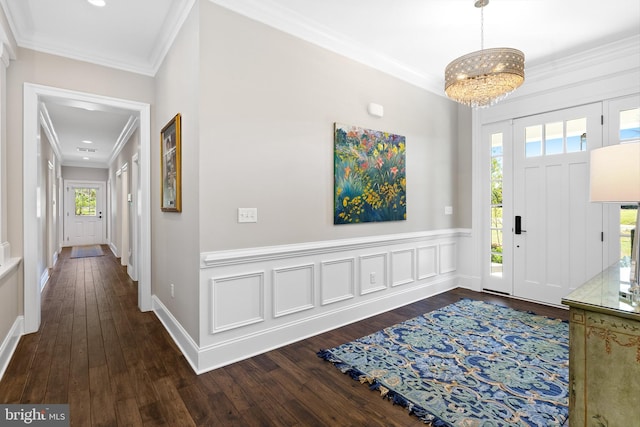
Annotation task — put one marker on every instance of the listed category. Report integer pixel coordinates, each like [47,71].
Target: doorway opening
[33,243]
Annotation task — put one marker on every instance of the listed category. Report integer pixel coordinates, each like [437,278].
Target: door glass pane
[553,138]
[533,141]
[576,135]
[85,201]
[496,204]
[630,125]
[496,253]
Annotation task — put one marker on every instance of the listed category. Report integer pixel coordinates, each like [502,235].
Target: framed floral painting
[369,176]
[170,166]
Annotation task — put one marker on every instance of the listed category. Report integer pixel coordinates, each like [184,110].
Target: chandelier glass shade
[484,77]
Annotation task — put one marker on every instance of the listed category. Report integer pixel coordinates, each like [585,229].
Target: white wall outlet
[372,278]
[247,214]
[172,290]
[448,210]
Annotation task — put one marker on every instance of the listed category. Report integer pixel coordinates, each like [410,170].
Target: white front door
[557,231]
[84,213]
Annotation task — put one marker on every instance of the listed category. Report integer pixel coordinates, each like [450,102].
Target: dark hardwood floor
[117,366]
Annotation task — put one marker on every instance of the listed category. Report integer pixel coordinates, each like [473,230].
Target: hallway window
[85,201]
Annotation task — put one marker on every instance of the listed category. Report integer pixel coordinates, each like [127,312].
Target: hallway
[115,365]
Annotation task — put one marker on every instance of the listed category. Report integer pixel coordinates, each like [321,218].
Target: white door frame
[31,122]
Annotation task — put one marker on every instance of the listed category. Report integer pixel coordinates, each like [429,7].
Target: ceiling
[412,39]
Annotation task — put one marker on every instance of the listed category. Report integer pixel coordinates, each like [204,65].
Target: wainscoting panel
[337,280]
[373,273]
[258,299]
[403,267]
[236,301]
[448,257]
[427,262]
[293,289]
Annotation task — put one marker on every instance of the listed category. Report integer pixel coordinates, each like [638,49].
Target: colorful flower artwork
[370,176]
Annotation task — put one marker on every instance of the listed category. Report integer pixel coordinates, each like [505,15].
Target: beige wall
[268,106]
[463,211]
[85,174]
[45,154]
[175,236]
[124,157]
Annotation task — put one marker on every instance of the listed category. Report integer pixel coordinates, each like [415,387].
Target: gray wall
[85,174]
[268,105]
[174,236]
[115,203]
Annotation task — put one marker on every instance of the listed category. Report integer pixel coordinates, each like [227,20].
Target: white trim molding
[257,299]
[10,343]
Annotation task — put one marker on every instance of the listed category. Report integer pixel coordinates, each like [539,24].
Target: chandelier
[484,77]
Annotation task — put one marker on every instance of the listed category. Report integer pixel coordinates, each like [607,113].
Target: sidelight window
[497,155]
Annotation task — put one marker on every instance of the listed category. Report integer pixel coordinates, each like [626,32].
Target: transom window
[569,136]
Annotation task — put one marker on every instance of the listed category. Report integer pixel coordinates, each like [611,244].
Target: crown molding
[8,43]
[624,52]
[49,130]
[127,131]
[167,38]
[300,26]
[147,66]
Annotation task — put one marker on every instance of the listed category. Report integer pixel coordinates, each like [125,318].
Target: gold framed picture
[170,166]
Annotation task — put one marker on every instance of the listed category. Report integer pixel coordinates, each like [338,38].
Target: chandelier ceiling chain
[482,78]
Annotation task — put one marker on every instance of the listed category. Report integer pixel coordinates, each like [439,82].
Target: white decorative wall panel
[293,289]
[447,257]
[337,280]
[236,301]
[257,299]
[373,273]
[427,262]
[402,267]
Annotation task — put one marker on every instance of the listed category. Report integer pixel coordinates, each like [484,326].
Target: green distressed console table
[604,353]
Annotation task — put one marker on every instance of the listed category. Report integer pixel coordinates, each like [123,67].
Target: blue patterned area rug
[471,364]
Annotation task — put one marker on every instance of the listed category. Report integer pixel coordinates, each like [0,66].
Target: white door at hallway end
[84,210]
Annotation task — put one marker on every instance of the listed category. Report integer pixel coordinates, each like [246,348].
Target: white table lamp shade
[615,173]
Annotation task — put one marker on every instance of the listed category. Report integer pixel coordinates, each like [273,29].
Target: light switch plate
[448,210]
[247,214]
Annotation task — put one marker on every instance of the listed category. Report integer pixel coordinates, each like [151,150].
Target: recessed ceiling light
[86,141]
[98,3]
[85,158]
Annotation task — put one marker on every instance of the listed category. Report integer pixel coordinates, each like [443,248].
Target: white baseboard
[10,343]
[114,250]
[215,356]
[180,336]
[44,278]
[473,283]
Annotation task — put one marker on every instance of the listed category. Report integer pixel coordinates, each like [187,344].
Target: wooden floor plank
[115,365]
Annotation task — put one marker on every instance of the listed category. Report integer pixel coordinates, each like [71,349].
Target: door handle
[519,229]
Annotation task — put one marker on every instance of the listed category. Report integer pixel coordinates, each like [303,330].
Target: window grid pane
[85,199]
[577,135]
[630,125]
